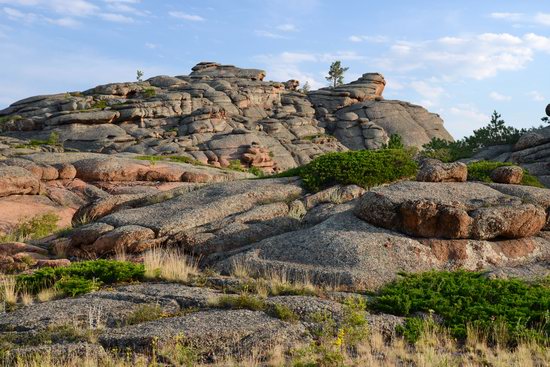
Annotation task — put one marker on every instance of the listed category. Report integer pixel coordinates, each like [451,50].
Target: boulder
[436,171]
[507,175]
[450,210]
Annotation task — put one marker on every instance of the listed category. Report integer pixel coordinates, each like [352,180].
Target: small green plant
[101,104]
[236,165]
[365,168]
[144,313]
[81,277]
[149,92]
[34,228]
[283,312]
[481,171]
[468,298]
[169,158]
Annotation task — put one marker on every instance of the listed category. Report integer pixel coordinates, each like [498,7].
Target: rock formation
[218,114]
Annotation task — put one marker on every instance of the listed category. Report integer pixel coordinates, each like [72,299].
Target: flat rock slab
[106,308]
[341,251]
[450,210]
[215,333]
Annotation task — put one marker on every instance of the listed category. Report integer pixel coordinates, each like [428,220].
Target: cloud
[117,18]
[532,19]
[267,34]
[287,27]
[495,96]
[185,16]
[536,96]
[478,56]
[372,39]
[151,46]
[461,119]
[65,22]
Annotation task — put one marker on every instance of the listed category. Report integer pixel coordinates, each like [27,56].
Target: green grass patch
[149,92]
[101,104]
[169,158]
[282,312]
[34,228]
[242,301]
[468,298]
[144,313]
[81,277]
[481,171]
[365,168]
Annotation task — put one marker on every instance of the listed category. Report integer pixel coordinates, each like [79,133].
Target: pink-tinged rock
[53,263]
[507,175]
[17,181]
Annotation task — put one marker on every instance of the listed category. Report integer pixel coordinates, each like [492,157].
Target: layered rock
[218,114]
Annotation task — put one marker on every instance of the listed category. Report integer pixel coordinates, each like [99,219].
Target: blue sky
[459,59]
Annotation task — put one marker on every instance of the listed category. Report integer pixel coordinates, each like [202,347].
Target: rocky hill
[214,265]
[218,114]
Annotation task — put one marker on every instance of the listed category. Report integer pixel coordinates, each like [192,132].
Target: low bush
[365,168]
[282,312]
[465,299]
[481,171]
[242,301]
[81,277]
[144,313]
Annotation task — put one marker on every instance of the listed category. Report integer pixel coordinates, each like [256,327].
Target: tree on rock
[336,73]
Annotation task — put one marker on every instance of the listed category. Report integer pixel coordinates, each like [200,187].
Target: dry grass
[169,264]
[8,291]
[47,294]
[26,298]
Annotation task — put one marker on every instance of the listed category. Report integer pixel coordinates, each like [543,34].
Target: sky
[460,59]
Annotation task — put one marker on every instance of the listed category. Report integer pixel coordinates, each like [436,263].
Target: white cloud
[508,16]
[372,39]
[65,22]
[287,27]
[461,119]
[543,18]
[267,34]
[151,45]
[427,90]
[477,56]
[72,7]
[536,19]
[470,113]
[186,16]
[117,18]
[536,96]
[495,96]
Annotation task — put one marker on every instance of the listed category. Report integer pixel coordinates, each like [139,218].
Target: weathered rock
[17,181]
[214,333]
[126,238]
[507,175]
[450,210]
[435,171]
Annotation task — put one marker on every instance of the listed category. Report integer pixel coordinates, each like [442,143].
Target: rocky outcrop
[451,210]
[219,114]
[433,170]
[531,151]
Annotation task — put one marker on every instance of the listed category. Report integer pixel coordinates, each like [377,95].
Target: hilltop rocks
[218,114]
[450,210]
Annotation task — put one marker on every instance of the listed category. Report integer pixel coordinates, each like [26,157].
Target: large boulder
[435,171]
[450,210]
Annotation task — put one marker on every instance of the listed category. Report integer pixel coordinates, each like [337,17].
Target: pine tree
[336,74]
[139,76]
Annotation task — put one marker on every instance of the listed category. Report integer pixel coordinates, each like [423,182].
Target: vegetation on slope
[481,171]
[464,299]
[365,168]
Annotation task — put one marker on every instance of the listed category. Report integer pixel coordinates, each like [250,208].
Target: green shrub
[101,104]
[81,277]
[468,298]
[149,92]
[395,142]
[169,158]
[481,171]
[365,168]
[495,133]
[34,228]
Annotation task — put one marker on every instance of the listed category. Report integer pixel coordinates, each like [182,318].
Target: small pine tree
[139,76]
[306,88]
[336,74]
